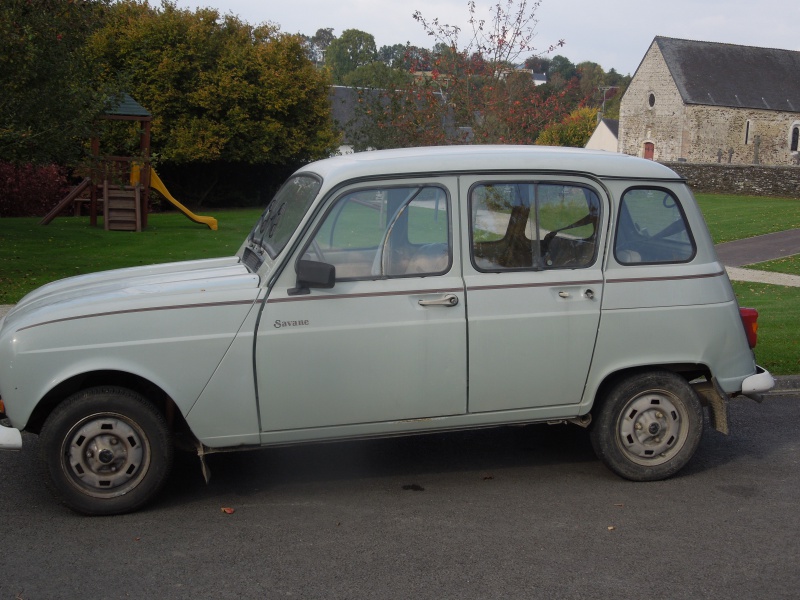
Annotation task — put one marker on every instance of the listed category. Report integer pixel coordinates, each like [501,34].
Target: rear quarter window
[652,229]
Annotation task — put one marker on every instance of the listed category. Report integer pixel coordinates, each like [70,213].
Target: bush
[30,191]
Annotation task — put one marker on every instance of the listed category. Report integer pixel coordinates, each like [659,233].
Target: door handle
[448,300]
[588,294]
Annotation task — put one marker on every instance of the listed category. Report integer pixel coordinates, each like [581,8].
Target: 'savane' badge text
[282,324]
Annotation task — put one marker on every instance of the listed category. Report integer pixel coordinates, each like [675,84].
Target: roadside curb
[785,385]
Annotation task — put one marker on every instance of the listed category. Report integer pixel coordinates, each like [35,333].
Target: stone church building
[706,102]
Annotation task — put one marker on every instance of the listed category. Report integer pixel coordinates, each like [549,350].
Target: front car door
[534,285]
[387,342]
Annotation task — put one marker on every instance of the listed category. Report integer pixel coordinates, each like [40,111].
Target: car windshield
[280,219]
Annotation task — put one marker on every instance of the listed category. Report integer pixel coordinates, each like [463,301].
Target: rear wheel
[107,450]
[648,427]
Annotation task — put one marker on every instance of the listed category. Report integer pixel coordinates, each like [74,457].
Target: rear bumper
[10,438]
[757,384]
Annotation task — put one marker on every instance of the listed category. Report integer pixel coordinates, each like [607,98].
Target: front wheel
[107,450]
[648,427]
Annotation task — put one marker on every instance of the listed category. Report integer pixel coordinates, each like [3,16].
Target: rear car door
[534,284]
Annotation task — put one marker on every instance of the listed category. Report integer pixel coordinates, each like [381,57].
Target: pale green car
[395,292]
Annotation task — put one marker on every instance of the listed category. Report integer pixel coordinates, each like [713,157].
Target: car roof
[482,159]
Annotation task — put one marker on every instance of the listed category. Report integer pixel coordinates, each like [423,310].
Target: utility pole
[605,90]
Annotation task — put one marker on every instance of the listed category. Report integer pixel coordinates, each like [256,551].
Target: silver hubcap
[651,428]
[105,455]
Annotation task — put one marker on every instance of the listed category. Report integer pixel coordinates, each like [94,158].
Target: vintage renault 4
[395,292]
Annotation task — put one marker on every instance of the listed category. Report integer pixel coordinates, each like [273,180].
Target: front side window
[374,233]
[529,225]
[652,229]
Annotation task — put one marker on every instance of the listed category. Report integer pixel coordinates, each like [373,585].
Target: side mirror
[313,274]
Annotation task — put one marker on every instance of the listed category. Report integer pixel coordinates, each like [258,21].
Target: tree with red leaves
[472,92]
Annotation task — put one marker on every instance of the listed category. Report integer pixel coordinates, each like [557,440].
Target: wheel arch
[155,394]
[689,371]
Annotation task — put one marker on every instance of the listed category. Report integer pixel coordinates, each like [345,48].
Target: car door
[534,286]
[387,341]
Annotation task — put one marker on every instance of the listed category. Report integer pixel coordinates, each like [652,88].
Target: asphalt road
[760,248]
[509,513]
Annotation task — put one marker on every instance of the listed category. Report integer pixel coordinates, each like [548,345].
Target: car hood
[133,287]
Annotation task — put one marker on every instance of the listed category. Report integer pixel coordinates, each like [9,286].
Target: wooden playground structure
[120,185]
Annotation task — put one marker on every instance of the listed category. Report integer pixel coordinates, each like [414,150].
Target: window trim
[683,216]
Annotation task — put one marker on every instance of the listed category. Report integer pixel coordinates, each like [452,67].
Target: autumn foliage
[471,92]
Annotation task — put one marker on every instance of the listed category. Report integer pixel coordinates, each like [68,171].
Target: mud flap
[201,453]
[712,396]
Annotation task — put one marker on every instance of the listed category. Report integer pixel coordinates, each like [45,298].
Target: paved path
[760,248]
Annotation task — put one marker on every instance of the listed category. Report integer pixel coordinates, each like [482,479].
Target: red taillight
[750,322]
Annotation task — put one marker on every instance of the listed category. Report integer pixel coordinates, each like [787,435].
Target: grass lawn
[737,217]
[32,255]
[778,348]
[789,264]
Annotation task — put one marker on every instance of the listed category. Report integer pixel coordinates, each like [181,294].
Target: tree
[222,93]
[592,78]
[508,32]
[538,64]
[318,44]
[377,75]
[574,130]
[48,95]
[393,56]
[345,54]
[471,92]
[562,67]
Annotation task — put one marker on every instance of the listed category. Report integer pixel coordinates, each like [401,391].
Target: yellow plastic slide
[156,183]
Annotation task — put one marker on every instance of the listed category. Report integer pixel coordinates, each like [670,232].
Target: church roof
[715,74]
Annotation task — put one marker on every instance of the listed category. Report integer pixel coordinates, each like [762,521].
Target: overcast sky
[613,33]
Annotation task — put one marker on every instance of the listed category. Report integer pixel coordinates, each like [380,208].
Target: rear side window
[652,229]
[530,225]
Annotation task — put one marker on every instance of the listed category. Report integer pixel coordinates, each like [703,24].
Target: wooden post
[144,146]
[95,177]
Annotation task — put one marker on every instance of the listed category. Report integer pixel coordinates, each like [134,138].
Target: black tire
[648,426]
[107,451]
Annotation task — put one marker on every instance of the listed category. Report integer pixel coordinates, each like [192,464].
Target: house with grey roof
[711,102]
[605,136]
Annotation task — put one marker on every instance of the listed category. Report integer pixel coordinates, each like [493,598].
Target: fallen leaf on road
[414,487]
[228,511]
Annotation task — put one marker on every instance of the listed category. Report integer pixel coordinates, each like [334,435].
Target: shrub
[29,190]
